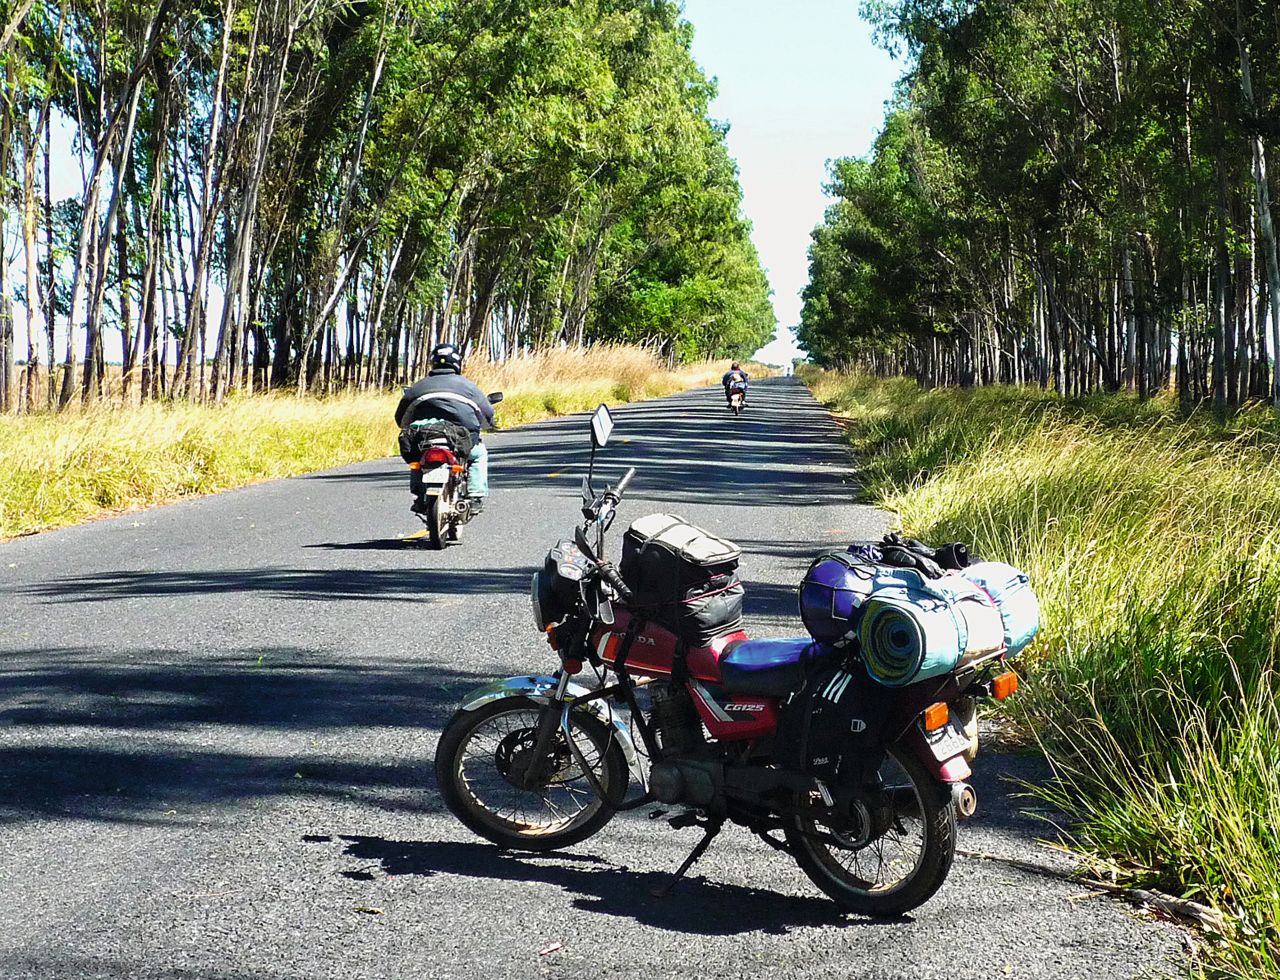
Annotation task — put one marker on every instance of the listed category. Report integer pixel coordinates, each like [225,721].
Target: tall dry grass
[57,469]
[1152,539]
[556,382]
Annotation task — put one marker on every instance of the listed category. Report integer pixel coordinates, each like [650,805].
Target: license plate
[946,742]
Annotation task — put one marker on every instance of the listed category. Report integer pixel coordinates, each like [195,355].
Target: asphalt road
[217,721]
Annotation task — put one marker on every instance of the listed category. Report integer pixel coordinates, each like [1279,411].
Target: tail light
[438,454]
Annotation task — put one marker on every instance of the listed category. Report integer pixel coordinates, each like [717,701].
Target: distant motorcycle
[437,455]
[727,726]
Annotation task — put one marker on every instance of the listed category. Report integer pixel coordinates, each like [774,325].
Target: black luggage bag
[683,577]
[414,440]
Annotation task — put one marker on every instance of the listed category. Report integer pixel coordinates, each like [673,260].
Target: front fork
[553,716]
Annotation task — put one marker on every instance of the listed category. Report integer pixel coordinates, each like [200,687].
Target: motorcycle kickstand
[700,848]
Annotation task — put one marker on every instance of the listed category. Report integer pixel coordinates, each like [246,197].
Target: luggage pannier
[415,438]
[833,726]
[683,577]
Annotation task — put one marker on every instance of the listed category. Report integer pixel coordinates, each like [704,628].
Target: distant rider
[735,377]
[445,395]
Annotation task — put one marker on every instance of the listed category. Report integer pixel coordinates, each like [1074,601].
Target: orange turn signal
[935,716]
[456,467]
[415,466]
[1004,685]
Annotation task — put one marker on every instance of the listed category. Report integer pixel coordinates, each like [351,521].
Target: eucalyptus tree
[308,193]
[1095,177]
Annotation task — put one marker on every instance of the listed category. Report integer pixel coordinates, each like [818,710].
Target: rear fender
[953,769]
[539,688]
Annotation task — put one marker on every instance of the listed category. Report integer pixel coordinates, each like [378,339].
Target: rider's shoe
[475,505]
[419,505]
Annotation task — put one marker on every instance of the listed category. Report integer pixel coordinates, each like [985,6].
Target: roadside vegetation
[1077,195]
[306,195]
[60,468]
[1153,540]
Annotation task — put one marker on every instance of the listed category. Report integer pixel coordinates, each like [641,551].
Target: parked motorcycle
[718,730]
[438,470]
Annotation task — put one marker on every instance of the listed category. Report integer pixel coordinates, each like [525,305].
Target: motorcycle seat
[769,668]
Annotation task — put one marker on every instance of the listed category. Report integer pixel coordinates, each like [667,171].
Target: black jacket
[462,401]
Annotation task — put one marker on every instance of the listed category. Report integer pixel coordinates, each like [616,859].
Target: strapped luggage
[683,577]
[417,436]
[908,627]
[1010,590]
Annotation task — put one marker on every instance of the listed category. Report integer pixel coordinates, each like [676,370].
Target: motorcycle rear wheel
[477,746]
[923,822]
[435,523]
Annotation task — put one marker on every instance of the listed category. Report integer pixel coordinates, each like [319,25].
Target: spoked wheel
[888,857]
[484,753]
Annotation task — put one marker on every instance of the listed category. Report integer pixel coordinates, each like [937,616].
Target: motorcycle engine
[699,782]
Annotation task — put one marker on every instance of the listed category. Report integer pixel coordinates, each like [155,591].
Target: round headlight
[535,599]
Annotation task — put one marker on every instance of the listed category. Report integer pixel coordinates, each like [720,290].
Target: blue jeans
[478,472]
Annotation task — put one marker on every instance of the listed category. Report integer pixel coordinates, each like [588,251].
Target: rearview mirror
[495,397]
[601,426]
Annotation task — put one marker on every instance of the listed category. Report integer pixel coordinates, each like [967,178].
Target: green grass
[1152,539]
[60,469]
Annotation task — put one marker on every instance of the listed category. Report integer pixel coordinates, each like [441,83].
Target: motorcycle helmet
[832,594]
[445,357]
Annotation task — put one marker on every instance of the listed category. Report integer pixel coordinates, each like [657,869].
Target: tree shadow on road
[698,905]
[151,740]
[686,449]
[318,584]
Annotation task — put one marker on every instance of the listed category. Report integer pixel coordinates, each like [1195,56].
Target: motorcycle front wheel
[483,753]
[901,863]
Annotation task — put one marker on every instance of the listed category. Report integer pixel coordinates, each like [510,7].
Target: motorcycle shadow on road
[698,905]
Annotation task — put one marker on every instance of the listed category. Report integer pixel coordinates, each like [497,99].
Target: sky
[800,83]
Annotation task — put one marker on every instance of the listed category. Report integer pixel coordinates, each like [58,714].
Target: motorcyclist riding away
[445,395]
[735,377]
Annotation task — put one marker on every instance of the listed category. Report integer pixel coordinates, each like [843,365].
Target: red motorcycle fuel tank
[653,651]
[728,717]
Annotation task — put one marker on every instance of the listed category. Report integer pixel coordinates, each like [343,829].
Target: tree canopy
[1074,194]
[311,193]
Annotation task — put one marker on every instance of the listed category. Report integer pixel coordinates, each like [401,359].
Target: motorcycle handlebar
[610,575]
[622,484]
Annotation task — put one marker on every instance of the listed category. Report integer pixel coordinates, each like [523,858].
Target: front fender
[540,688]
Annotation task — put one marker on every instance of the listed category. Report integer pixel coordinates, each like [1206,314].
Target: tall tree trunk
[29,250]
[1266,227]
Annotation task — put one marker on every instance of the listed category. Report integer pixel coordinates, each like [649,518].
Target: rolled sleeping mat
[1010,590]
[903,640]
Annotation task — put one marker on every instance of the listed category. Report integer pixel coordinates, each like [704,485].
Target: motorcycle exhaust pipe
[964,799]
